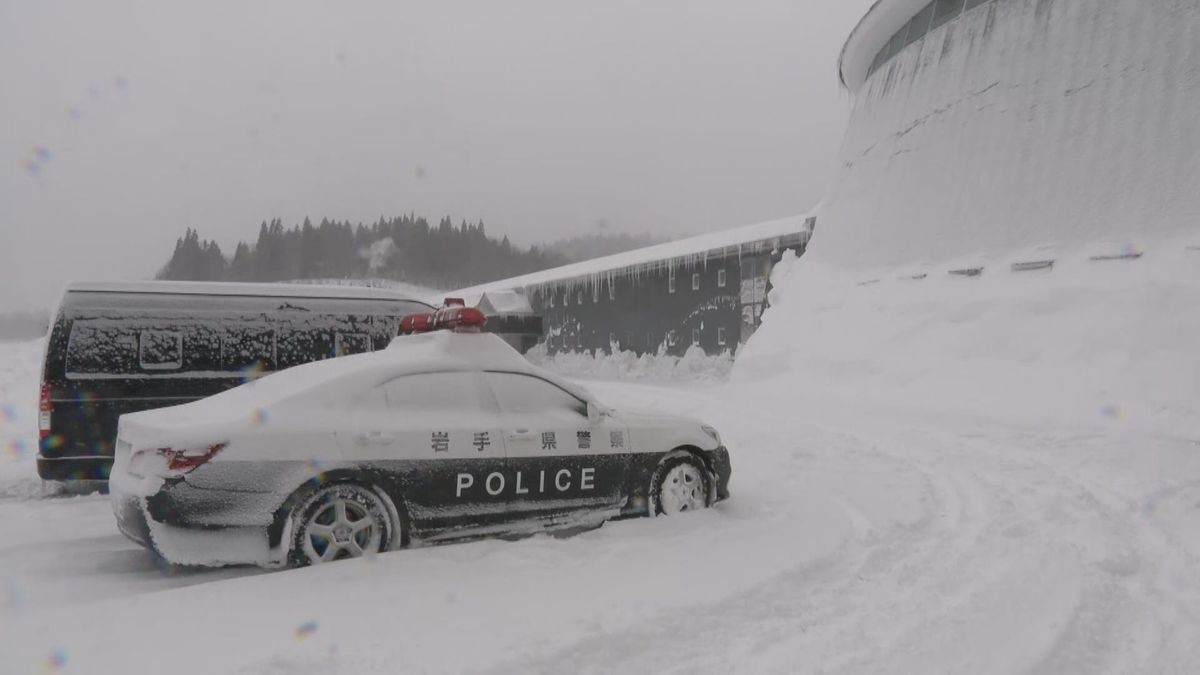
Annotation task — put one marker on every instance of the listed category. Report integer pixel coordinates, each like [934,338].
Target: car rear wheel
[341,521]
[680,484]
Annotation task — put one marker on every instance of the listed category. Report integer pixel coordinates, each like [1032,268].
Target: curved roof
[870,35]
[690,246]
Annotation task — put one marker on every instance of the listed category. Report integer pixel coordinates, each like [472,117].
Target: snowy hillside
[1103,345]
[989,475]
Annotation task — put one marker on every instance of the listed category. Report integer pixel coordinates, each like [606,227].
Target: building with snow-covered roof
[708,291]
[988,126]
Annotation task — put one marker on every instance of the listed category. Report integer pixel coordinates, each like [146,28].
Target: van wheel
[341,521]
[680,484]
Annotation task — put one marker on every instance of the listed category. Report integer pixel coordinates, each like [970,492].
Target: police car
[443,435]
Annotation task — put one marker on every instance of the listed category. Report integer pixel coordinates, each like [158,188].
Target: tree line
[405,249]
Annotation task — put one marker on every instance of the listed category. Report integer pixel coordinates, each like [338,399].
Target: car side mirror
[595,412]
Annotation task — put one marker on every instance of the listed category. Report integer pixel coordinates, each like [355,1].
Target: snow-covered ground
[998,474]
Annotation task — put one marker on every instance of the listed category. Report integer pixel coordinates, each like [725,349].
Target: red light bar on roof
[453,316]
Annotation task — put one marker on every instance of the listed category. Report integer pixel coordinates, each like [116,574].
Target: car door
[557,459]
[439,447]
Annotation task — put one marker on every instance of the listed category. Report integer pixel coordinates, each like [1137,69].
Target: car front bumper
[721,468]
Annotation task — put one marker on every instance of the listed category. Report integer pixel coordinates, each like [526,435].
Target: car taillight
[44,409]
[180,462]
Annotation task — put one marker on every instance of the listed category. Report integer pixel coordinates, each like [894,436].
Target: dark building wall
[714,299]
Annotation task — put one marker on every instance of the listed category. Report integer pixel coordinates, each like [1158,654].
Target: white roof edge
[672,249]
[237,288]
[873,31]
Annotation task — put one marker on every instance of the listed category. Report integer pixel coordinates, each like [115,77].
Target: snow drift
[1108,343]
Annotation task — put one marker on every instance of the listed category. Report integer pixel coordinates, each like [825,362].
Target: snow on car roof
[237,288]
[650,254]
[333,381]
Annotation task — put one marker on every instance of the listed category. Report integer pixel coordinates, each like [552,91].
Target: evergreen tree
[445,256]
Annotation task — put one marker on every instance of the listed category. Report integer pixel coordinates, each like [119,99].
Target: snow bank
[694,365]
[1091,343]
[20,376]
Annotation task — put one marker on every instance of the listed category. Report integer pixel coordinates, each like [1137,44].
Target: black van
[116,348]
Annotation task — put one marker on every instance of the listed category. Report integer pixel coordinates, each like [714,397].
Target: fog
[123,123]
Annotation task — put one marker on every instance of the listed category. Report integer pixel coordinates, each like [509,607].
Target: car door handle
[520,435]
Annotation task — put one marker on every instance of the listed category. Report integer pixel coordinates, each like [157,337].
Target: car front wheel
[338,522]
[680,484]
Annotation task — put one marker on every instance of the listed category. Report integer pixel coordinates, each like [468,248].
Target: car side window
[457,392]
[525,394]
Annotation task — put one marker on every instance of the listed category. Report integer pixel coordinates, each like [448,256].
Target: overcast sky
[122,123]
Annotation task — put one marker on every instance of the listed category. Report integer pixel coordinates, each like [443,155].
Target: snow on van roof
[236,288]
[673,249]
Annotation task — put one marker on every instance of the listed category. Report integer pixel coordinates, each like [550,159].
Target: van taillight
[44,408]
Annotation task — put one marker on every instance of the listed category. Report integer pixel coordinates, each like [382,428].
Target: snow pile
[1110,343]
[694,365]
[20,376]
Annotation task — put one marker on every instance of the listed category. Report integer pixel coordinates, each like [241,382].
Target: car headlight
[712,433]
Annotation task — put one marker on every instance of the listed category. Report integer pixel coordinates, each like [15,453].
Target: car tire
[339,521]
[681,483]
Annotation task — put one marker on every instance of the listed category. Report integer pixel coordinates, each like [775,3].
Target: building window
[695,281]
[671,280]
[945,10]
[933,15]
[579,298]
[550,295]
[695,336]
[919,26]
[721,278]
[612,289]
[596,292]
[720,336]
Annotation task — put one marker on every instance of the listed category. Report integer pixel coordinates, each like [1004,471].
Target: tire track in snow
[927,595]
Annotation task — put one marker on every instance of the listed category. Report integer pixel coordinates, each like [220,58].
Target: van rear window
[105,348]
[160,350]
[101,347]
[352,343]
[248,348]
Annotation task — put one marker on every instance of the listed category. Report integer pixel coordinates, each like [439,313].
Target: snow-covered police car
[442,435]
